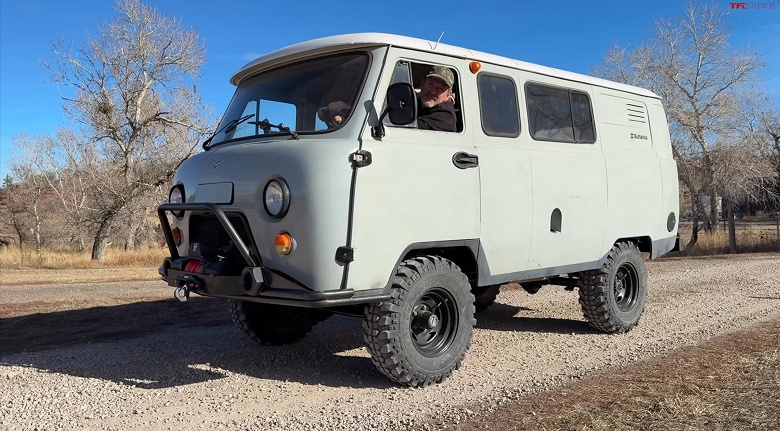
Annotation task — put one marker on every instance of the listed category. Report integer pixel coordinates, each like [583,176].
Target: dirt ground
[126,355]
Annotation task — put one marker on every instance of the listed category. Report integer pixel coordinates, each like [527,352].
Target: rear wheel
[613,297]
[421,335]
[274,324]
[484,296]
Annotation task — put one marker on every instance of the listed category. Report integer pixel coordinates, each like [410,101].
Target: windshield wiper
[266,126]
[231,125]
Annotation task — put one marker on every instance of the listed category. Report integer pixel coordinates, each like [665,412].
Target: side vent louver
[636,113]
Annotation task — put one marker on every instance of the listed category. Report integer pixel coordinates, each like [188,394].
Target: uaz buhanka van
[547,178]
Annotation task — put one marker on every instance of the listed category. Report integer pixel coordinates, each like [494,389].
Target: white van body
[538,204]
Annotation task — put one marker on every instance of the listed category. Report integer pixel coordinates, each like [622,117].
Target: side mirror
[401,103]
[401,107]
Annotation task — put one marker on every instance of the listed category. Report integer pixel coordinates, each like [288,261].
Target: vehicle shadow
[504,317]
[162,344]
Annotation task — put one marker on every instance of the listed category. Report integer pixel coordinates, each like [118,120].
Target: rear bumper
[665,245]
[252,282]
[678,244]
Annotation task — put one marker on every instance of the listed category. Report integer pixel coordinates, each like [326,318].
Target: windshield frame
[295,65]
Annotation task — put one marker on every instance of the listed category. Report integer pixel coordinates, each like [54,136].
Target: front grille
[207,230]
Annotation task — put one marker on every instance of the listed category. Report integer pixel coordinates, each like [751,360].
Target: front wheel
[613,297]
[421,335]
[274,324]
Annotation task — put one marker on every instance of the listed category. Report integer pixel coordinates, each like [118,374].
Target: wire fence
[751,236]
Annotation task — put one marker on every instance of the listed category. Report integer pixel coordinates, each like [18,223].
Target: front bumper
[249,282]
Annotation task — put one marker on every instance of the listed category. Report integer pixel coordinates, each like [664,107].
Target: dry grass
[12,277]
[750,239]
[49,266]
[54,259]
[730,383]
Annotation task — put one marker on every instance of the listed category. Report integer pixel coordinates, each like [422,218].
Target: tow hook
[182,293]
[185,283]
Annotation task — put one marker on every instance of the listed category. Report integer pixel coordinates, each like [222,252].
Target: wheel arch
[461,252]
[644,243]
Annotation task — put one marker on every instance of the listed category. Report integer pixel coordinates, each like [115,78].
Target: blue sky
[566,34]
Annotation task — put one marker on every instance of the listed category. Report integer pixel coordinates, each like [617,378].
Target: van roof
[361,40]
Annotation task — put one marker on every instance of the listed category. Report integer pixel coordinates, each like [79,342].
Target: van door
[412,192]
[505,176]
[569,175]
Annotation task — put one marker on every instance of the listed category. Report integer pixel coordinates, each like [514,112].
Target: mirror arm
[378,131]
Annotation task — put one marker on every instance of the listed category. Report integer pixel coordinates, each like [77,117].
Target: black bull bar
[256,283]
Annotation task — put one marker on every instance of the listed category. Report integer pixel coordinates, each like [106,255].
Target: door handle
[463,160]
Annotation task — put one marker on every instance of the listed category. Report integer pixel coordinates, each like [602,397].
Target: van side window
[415,73]
[498,105]
[559,114]
[583,120]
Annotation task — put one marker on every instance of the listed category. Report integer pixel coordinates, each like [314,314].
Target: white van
[546,177]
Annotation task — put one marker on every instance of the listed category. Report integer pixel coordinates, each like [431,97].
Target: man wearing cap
[435,103]
[435,106]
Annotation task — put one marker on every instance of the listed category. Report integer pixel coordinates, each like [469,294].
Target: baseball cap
[442,73]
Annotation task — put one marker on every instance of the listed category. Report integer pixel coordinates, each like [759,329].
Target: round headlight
[176,196]
[276,198]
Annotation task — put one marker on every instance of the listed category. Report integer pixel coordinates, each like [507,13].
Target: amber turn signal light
[176,236]
[474,66]
[283,243]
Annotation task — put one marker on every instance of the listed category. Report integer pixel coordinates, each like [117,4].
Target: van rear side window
[498,106]
[559,114]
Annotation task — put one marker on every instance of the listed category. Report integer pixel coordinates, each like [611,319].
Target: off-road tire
[484,296]
[400,333]
[613,297]
[269,324]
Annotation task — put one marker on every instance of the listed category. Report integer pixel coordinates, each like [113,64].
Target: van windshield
[291,96]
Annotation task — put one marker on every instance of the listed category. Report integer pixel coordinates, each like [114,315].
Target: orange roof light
[474,66]
[283,243]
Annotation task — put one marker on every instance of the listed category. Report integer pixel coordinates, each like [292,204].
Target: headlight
[176,196]
[276,198]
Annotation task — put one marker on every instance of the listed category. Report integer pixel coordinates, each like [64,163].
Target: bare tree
[768,126]
[745,176]
[132,89]
[14,210]
[140,219]
[70,166]
[689,63]
[27,201]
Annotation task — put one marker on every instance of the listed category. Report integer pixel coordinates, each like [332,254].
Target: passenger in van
[435,103]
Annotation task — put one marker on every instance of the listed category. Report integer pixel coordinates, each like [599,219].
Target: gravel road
[126,356]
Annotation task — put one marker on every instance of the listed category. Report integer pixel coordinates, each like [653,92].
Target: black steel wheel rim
[626,287]
[434,322]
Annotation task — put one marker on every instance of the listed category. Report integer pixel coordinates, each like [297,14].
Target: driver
[333,113]
[435,103]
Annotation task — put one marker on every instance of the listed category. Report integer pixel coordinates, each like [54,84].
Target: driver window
[436,112]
